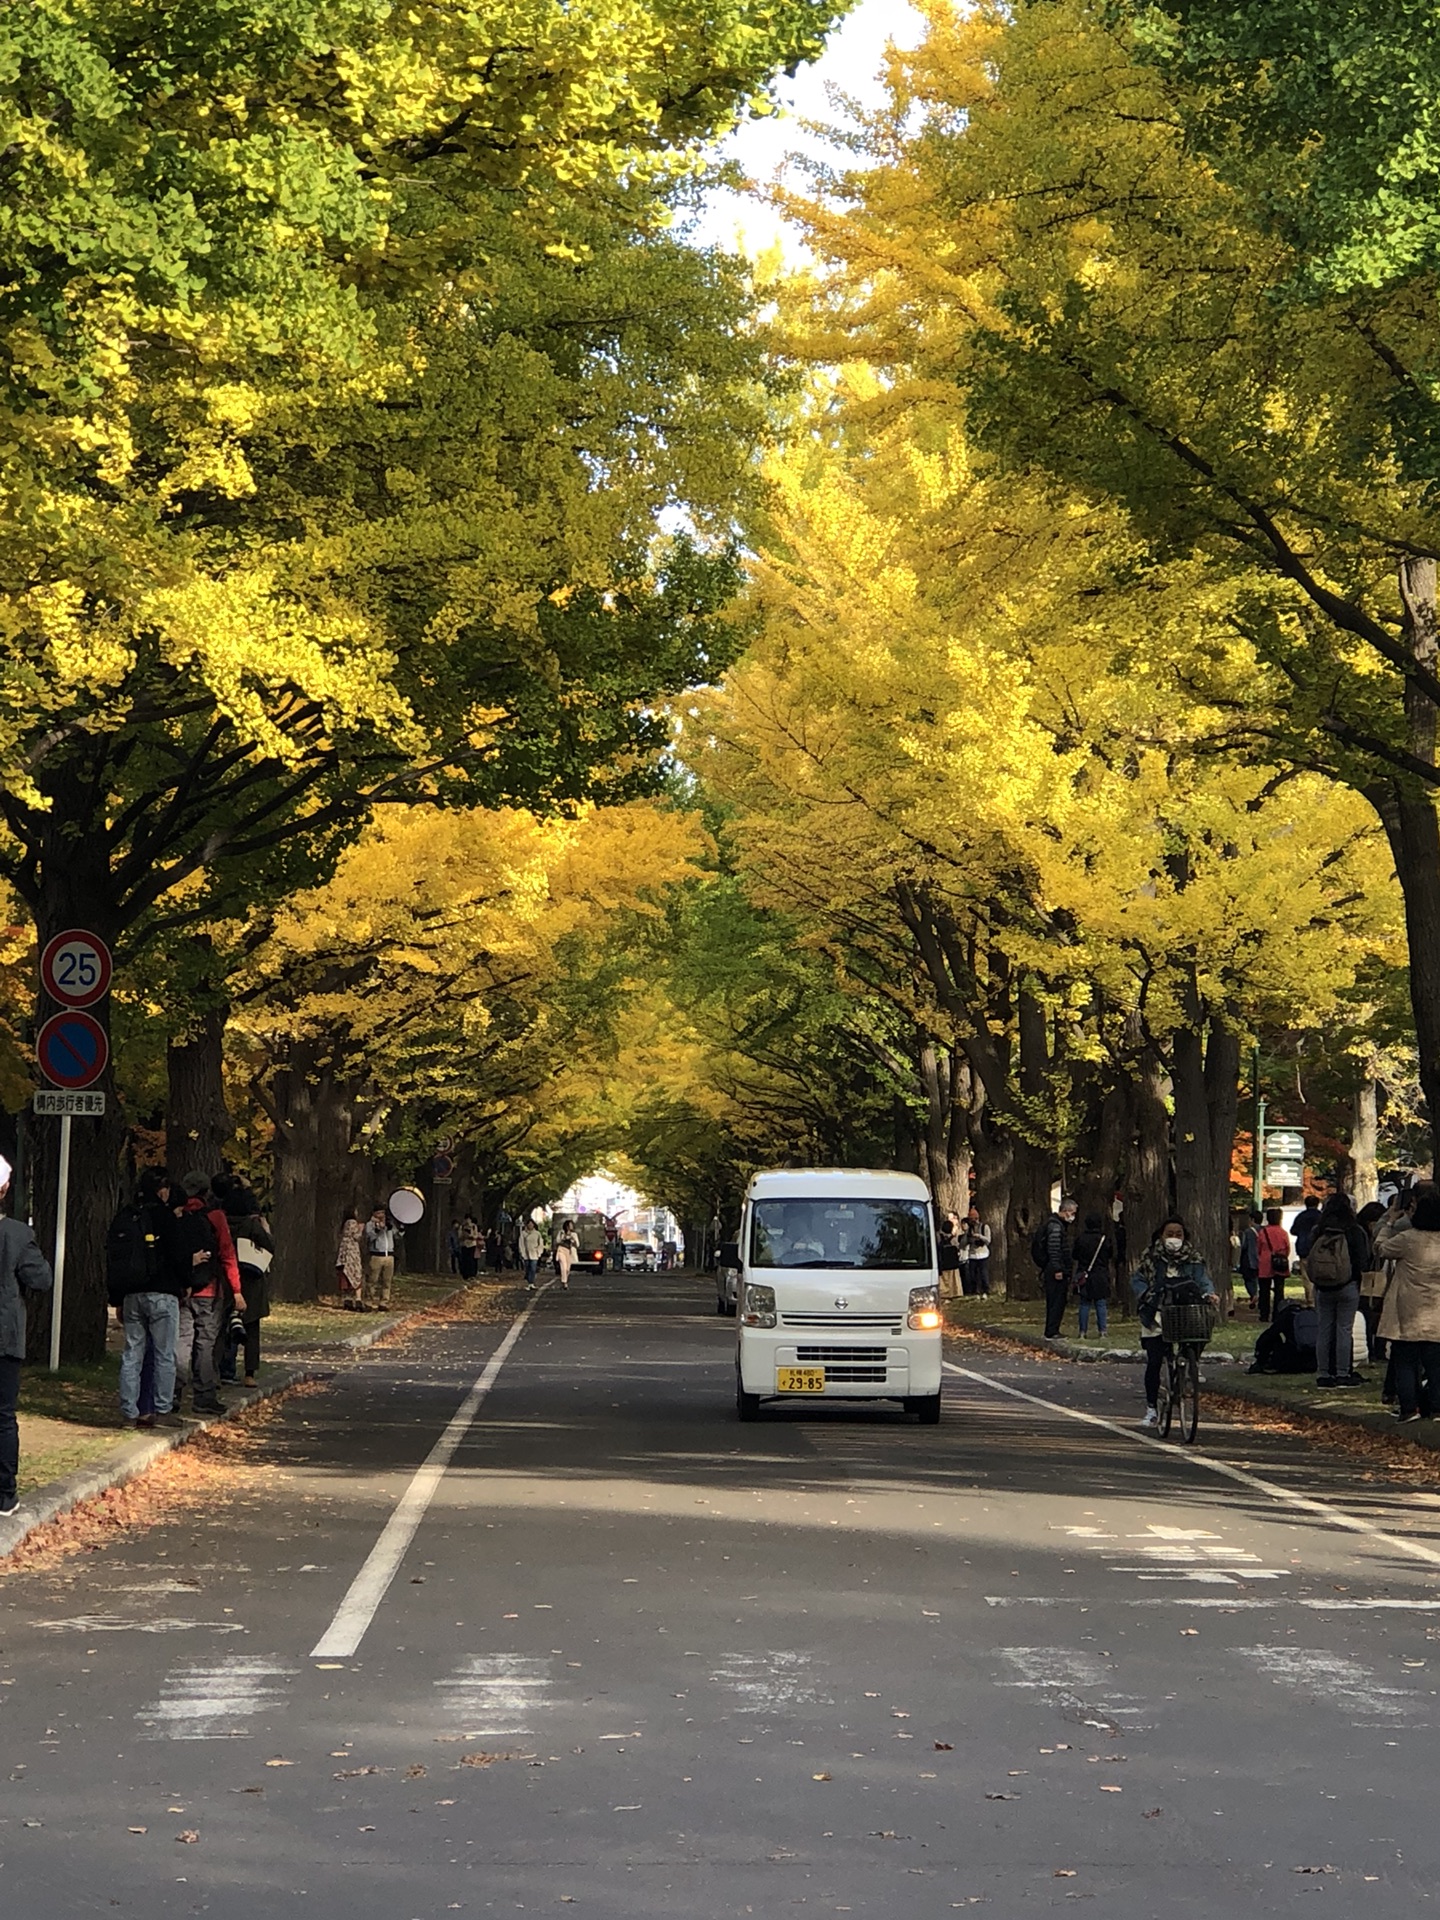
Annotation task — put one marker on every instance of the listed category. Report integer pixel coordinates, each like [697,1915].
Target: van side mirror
[729,1253]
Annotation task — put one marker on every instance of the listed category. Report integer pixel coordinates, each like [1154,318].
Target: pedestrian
[1339,1254]
[949,1255]
[532,1251]
[23,1271]
[1169,1262]
[567,1245]
[494,1250]
[141,1285]
[1249,1260]
[1303,1229]
[1272,1245]
[1055,1263]
[207,1284]
[452,1246]
[1410,1317]
[1373,1283]
[380,1240]
[975,1246]
[350,1263]
[254,1251]
[468,1234]
[1092,1274]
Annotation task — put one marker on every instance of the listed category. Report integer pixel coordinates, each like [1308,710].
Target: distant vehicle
[639,1257]
[839,1291]
[590,1232]
[727,1277]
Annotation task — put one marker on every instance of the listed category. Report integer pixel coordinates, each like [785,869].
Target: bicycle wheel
[1188,1395]
[1165,1396]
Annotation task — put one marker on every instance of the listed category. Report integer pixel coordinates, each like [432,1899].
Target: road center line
[369,1587]
[1352,1523]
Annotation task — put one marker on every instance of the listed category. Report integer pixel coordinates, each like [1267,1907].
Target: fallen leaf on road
[1154,1813]
[1002,1796]
[635,1808]
[279,1763]
[1314,1869]
[820,1776]
[1189,1633]
[415,1773]
[188,1837]
[944,1746]
[1063,1873]
[1019,1773]
[1109,1789]
[139,1829]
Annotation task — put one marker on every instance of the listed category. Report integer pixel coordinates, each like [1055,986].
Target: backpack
[1040,1245]
[134,1259]
[1328,1261]
[1289,1345]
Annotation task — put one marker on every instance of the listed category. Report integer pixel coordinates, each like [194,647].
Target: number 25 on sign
[75,968]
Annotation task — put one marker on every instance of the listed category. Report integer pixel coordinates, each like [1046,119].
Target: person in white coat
[1410,1317]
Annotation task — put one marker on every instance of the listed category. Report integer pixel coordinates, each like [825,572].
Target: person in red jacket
[205,1251]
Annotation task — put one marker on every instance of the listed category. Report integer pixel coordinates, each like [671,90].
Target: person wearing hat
[23,1270]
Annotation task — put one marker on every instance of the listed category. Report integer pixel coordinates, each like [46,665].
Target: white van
[839,1293]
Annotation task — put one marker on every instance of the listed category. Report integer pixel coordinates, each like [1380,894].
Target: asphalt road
[634,1659]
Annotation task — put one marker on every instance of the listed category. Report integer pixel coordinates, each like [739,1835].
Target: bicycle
[1186,1323]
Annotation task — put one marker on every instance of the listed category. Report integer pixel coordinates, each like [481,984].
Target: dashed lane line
[1190,1456]
[369,1587]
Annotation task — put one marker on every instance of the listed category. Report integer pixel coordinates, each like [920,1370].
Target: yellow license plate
[800,1379]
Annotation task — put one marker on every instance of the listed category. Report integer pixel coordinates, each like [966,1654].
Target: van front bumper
[858,1369]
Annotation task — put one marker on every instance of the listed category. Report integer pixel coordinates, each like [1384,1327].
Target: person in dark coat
[949,1256]
[1059,1259]
[24,1270]
[1337,1257]
[1093,1255]
[254,1248]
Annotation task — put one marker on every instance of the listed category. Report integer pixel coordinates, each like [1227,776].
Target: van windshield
[840,1233]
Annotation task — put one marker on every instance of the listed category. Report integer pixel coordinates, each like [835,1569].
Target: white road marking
[1190,1456]
[776,1682]
[204,1701]
[495,1694]
[1335,1681]
[116,1623]
[1237,1605]
[1071,1676]
[369,1587]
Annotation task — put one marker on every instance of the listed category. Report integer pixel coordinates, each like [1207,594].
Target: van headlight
[759,1309]
[925,1314]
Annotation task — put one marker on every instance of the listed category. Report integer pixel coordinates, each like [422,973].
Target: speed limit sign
[75,968]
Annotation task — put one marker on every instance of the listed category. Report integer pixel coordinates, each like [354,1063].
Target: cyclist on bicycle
[1169,1264]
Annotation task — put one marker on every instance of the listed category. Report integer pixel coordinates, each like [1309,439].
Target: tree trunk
[945,1082]
[1032,1179]
[1207,1103]
[1364,1146]
[297,1158]
[336,1170]
[1147,1173]
[198,1126]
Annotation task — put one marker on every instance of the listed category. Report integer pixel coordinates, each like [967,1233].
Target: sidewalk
[110,1457]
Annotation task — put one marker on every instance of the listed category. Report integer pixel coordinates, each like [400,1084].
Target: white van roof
[825,1183]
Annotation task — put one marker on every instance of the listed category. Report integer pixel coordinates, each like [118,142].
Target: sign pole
[62,1208]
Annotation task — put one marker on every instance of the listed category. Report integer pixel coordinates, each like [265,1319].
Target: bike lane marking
[369,1587]
[1285,1496]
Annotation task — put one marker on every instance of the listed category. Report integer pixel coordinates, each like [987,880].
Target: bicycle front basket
[1186,1323]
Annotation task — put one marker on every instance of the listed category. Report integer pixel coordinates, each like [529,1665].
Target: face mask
[1171,1244]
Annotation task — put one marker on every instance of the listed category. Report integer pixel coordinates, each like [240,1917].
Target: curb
[132,1458]
[1092,1356]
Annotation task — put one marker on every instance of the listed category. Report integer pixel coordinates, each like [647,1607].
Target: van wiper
[796,1265]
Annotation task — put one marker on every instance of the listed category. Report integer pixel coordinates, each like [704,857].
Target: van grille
[840,1356]
[852,1322]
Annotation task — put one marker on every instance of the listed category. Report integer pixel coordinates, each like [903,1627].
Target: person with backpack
[141,1283]
[210,1283]
[1338,1254]
[1051,1250]
[1092,1274]
[1272,1252]
[24,1270]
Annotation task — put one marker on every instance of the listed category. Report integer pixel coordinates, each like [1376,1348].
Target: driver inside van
[800,1242]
